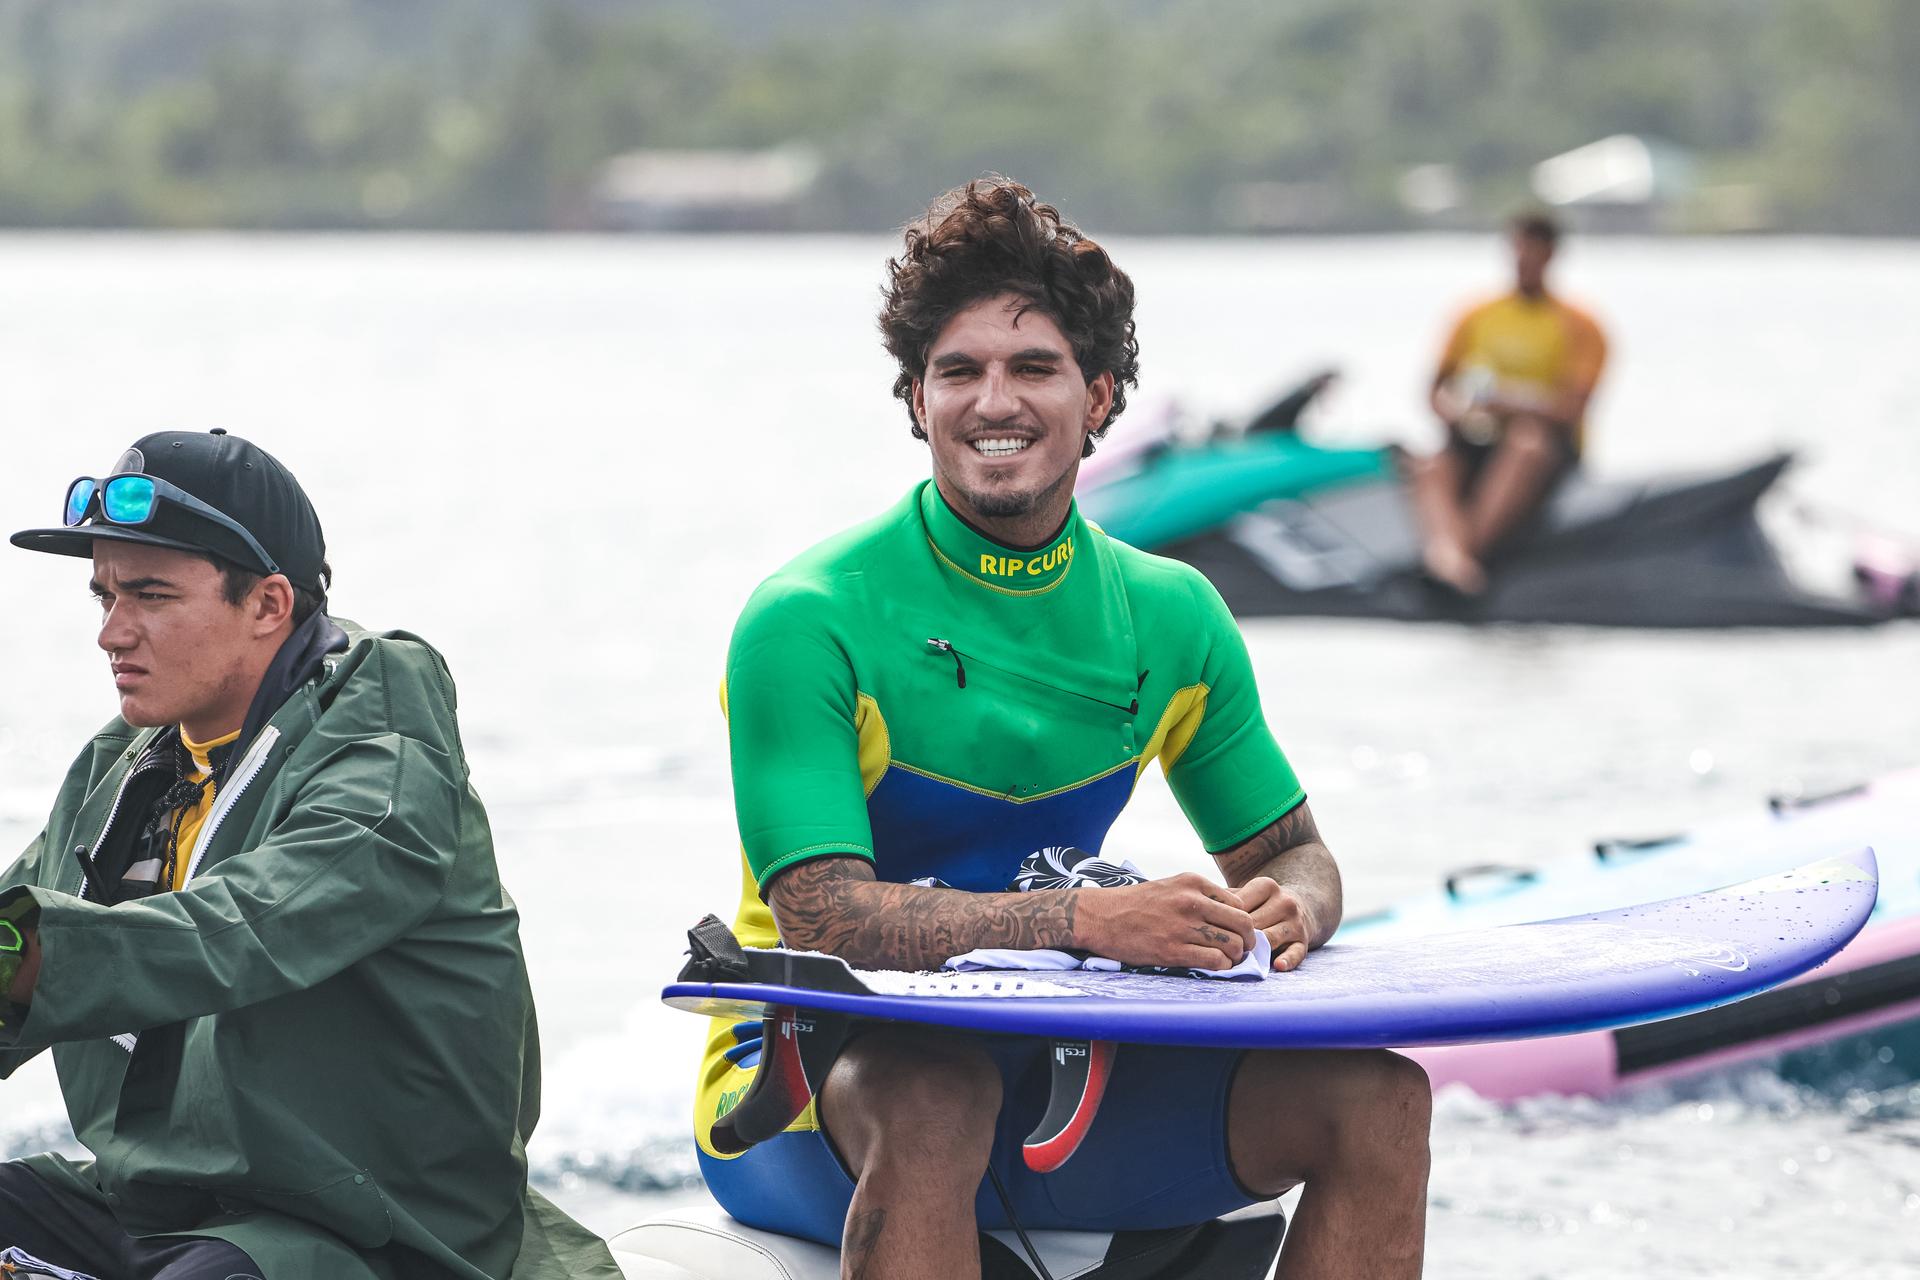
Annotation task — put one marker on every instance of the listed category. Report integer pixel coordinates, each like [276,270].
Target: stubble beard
[1004,504]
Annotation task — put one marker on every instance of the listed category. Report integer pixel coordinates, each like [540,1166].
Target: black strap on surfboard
[714,954]
[1508,873]
[1080,1070]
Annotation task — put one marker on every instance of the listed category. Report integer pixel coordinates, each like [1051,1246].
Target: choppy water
[568,461]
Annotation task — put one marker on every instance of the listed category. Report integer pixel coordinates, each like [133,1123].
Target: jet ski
[1158,483]
[1284,527]
[1662,552]
[1181,492]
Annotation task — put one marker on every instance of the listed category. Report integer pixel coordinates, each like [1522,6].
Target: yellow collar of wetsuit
[202,752]
[1012,570]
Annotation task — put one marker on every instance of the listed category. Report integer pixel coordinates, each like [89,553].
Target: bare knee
[1532,438]
[1383,1115]
[913,1096]
[1400,1094]
[1338,1112]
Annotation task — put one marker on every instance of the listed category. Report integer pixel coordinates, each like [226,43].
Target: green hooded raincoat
[323,1049]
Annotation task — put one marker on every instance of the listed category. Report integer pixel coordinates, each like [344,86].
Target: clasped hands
[1189,921]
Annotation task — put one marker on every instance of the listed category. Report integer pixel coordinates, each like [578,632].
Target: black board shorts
[1474,455]
[78,1233]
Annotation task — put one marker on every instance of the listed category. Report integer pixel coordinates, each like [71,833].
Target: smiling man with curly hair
[975,679]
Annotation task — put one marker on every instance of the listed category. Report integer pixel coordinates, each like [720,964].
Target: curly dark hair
[993,236]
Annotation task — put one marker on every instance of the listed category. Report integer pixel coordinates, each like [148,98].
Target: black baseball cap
[235,477]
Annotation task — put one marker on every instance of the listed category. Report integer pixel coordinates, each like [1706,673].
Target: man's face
[1006,409]
[1531,255]
[180,652]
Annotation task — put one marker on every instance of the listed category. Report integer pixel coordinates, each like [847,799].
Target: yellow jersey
[1528,347]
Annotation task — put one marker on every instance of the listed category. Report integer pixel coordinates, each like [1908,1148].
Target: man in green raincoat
[263,932]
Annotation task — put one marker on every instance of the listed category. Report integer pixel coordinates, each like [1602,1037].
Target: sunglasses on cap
[133,499]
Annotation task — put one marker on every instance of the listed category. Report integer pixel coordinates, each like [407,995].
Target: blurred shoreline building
[708,190]
[1624,183]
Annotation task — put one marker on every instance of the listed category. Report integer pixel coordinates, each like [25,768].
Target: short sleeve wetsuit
[916,695]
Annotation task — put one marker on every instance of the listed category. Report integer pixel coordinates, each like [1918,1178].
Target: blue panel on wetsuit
[927,827]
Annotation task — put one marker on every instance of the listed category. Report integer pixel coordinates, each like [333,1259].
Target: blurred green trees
[1137,116]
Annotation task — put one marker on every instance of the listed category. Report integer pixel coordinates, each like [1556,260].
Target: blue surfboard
[1582,972]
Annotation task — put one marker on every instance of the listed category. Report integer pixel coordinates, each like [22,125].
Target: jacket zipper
[960,677]
[86,856]
[129,1040]
[250,766]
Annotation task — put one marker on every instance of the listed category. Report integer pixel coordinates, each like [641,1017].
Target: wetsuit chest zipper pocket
[960,661]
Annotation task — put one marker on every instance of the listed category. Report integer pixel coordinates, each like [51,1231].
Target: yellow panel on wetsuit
[914,694]
[1541,344]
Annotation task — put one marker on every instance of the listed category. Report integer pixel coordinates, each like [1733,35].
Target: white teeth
[1000,448]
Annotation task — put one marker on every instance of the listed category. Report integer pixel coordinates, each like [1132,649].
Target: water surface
[567,462]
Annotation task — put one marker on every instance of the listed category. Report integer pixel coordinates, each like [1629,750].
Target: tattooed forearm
[1290,851]
[835,905]
[1253,857]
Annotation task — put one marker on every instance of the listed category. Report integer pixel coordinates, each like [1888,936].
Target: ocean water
[567,462]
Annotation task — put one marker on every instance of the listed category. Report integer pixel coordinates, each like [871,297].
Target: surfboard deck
[1577,973]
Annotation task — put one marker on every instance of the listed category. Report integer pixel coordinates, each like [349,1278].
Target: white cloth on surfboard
[17,1261]
[1064,867]
[1255,965]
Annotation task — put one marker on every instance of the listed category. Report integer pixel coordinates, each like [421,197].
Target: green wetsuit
[913,693]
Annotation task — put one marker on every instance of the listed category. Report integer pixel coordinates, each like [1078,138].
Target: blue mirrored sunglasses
[133,499]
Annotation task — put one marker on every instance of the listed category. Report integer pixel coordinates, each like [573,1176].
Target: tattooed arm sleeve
[1291,853]
[836,905]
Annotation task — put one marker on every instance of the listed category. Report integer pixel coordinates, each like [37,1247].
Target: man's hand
[1186,922]
[1283,915]
[20,990]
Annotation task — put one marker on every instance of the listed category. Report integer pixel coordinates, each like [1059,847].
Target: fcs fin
[798,1049]
[1080,1069]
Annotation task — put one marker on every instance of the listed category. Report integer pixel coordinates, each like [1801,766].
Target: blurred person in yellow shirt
[1512,390]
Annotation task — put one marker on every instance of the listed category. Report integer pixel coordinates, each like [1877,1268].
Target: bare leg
[1516,478]
[913,1115]
[1353,1126]
[1446,551]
